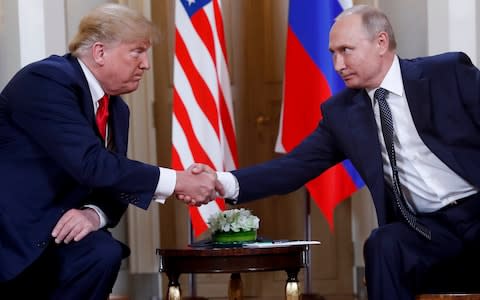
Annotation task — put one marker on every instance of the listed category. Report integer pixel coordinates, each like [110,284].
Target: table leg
[235,291]
[173,291]
[292,288]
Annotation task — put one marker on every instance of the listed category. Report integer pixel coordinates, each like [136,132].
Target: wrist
[97,215]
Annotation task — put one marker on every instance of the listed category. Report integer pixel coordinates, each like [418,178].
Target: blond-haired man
[65,175]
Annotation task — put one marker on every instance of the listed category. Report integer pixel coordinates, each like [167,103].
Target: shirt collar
[95,89]
[393,80]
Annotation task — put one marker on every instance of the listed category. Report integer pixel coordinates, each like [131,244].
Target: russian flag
[309,80]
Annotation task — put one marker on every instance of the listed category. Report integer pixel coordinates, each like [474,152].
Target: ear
[383,42]
[98,53]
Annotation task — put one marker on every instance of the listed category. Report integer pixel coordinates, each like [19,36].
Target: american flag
[310,79]
[202,124]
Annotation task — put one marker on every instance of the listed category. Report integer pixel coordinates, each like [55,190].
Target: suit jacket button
[41,244]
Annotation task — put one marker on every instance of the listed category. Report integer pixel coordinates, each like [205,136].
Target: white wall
[453,27]
[75,9]
[9,41]
[32,29]
[409,24]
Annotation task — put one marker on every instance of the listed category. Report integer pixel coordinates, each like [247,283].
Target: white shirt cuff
[166,185]
[101,215]
[230,184]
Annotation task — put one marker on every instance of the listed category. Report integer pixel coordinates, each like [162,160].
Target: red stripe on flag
[311,92]
[227,124]
[201,24]
[199,154]
[202,94]
[331,188]
[198,223]
[219,25]
[176,162]
[220,203]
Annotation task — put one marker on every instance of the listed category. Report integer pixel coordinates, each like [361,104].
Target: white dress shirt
[427,183]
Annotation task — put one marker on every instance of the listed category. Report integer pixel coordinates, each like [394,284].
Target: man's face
[356,57]
[124,64]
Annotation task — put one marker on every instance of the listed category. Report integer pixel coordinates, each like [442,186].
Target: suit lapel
[367,154]
[418,96]
[118,126]
[364,130]
[87,103]
[421,105]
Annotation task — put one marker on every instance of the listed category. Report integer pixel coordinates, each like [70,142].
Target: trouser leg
[89,268]
[83,270]
[397,259]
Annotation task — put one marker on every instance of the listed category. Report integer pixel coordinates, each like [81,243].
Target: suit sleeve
[309,159]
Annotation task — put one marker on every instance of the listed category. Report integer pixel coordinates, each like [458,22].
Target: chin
[350,85]
[353,85]
[131,88]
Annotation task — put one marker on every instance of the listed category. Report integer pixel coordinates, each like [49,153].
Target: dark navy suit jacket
[52,159]
[443,94]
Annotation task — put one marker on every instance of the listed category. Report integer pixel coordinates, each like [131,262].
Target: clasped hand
[198,185]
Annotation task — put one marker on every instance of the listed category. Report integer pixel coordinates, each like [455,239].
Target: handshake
[198,185]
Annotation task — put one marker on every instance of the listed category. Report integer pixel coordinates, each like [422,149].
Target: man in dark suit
[64,176]
[425,191]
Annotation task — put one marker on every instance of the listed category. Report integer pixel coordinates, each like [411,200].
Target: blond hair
[111,23]
[374,21]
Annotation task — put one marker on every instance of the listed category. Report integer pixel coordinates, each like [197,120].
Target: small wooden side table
[236,260]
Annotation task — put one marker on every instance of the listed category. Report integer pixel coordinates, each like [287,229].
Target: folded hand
[75,224]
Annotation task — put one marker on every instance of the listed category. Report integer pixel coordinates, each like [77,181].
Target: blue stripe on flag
[356,178]
[192,6]
[311,20]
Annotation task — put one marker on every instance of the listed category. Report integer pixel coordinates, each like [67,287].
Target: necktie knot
[102,115]
[380,94]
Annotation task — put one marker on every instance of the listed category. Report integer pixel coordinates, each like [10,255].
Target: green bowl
[234,237]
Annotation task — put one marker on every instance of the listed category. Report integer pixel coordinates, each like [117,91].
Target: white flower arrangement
[234,220]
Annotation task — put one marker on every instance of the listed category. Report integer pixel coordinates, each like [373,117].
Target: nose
[338,63]
[144,63]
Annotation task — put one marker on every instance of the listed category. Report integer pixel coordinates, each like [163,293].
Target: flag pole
[191,277]
[308,237]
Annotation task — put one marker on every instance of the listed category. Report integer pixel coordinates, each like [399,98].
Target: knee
[108,253]
[381,243]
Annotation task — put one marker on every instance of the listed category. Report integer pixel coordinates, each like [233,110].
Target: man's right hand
[196,188]
[201,170]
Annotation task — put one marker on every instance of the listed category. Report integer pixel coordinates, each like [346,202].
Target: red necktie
[102,116]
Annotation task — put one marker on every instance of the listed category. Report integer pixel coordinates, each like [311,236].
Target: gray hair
[374,21]
[110,23]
